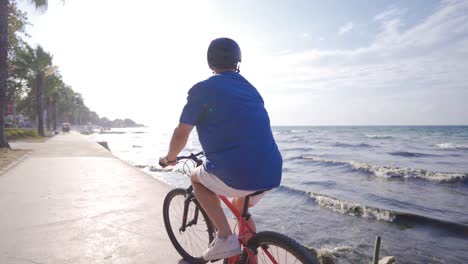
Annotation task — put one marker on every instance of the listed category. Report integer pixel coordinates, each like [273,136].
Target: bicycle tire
[275,241]
[200,234]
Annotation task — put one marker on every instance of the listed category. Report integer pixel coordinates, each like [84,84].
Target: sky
[314,62]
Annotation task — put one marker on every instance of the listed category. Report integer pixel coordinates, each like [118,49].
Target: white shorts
[217,186]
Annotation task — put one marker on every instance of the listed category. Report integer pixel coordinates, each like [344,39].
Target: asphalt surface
[71,201]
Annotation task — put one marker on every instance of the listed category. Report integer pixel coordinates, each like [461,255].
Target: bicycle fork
[188,199]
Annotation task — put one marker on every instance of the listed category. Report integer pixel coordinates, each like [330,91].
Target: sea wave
[411,154]
[356,209]
[352,208]
[452,146]
[323,160]
[154,168]
[298,149]
[396,172]
[344,255]
[296,130]
[349,145]
[112,132]
[407,173]
[378,136]
[342,206]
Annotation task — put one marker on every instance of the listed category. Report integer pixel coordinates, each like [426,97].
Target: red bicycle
[191,231]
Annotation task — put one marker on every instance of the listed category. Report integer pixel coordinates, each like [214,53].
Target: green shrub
[19,133]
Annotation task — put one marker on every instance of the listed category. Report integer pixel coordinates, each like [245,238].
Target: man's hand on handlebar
[164,162]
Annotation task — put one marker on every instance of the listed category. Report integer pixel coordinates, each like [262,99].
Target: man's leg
[238,203]
[212,206]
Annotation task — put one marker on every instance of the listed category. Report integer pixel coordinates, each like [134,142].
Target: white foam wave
[351,208]
[396,172]
[344,255]
[337,250]
[452,146]
[406,173]
[295,131]
[320,159]
[159,169]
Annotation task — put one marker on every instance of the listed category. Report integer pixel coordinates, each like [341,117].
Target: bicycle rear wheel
[272,247]
[199,231]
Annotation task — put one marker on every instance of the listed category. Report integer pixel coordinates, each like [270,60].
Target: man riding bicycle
[234,131]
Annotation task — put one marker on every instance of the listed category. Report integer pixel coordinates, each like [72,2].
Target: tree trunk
[40,112]
[48,113]
[72,117]
[55,114]
[3,68]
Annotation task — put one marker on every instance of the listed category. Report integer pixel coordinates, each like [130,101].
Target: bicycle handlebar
[194,157]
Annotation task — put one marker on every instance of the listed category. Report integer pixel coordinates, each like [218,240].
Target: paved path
[72,201]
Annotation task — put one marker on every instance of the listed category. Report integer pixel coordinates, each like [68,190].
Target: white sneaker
[222,248]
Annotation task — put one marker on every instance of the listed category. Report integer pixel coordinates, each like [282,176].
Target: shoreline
[324,255]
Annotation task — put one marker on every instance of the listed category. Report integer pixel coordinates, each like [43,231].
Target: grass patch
[8,156]
[20,133]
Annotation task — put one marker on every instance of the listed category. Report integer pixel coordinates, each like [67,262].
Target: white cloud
[144,65]
[346,28]
[434,45]
[390,13]
[426,62]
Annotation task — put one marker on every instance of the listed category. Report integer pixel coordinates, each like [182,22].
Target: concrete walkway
[72,201]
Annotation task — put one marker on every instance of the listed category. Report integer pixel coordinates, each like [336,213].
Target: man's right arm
[179,140]
[191,113]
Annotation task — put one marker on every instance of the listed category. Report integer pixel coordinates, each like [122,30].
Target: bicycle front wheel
[272,247]
[195,238]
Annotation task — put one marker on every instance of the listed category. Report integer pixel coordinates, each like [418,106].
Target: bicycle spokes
[187,225]
[266,251]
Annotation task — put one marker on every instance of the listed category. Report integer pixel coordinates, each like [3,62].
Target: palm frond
[40,4]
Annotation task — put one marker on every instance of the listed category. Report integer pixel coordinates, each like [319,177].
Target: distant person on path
[234,131]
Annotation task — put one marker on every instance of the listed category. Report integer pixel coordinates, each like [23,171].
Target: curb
[14,163]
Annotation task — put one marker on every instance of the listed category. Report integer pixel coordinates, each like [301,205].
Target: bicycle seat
[257,193]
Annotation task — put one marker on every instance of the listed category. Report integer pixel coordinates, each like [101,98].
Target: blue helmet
[224,53]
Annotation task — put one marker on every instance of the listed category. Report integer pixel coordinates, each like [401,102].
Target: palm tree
[41,68]
[53,82]
[37,64]
[55,100]
[66,103]
[78,105]
[4,14]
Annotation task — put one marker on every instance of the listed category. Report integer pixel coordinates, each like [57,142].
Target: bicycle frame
[245,230]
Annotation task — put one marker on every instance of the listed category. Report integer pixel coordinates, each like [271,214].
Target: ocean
[343,186]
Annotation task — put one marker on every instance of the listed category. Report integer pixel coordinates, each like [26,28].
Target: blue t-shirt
[234,131]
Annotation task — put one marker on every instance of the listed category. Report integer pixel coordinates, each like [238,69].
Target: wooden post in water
[377,250]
